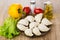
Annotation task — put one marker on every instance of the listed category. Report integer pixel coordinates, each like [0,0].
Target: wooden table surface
[54,34]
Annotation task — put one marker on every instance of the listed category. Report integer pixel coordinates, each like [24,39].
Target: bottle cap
[32,1]
[48,2]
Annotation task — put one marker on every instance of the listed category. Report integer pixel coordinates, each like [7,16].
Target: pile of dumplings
[34,25]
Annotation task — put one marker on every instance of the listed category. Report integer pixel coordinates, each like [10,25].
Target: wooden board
[54,34]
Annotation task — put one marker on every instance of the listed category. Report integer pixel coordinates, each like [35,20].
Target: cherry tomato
[27,10]
[38,10]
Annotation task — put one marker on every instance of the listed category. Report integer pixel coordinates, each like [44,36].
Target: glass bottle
[32,6]
[48,10]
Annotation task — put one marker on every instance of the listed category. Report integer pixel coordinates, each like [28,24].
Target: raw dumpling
[36,31]
[30,18]
[24,22]
[38,17]
[21,27]
[28,32]
[43,28]
[33,24]
[45,21]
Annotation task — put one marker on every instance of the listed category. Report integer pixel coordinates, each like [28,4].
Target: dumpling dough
[28,32]
[36,31]
[38,17]
[43,28]
[30,18]
[24,22]
[33,24]
[21,27]
[45,21]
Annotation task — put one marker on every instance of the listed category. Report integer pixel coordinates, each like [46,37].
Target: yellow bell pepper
[15,10]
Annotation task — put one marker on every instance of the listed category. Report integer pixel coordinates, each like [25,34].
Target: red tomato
[26,10]
[38,10]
